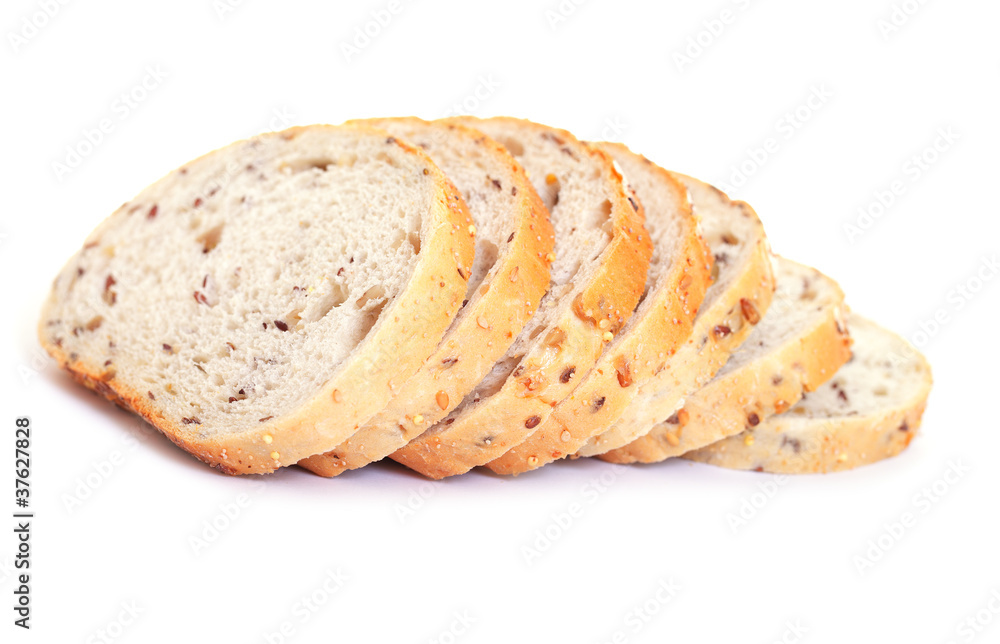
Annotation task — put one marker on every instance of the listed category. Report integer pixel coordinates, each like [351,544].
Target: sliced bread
[262,302]
[740,294]
[798,345]
[678,277]
[598,274]
[870,410]
[509,277]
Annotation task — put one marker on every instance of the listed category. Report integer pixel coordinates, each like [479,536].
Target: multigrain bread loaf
[870,410]
[599,271]
[260,303]
[324,296]
[678,277]
[511,273]
[740,294]
[798,345]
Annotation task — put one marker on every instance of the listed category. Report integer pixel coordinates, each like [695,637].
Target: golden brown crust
[605,392]
[743,398]
[391,353]
[737,309]
[488,325]
[570,344]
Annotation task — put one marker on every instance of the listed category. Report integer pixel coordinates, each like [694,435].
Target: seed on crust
[532,422]
[753,419]
[608,336]
[482,322]
[749,311]
[337,396]
[567,374]
[442,399]
[721,331]
[268,439]
[565,436]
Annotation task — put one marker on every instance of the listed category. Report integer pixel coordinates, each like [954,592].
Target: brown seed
[168,348]
[152,211]
[749,311]
[567,374]
[193,420]
[842,395]
[624,369]
[598,403]
[753,419]
[511,238]
[281,325]
[264,419]
[532,422]
[448,363]
[730,239]
[200,298]
[721,331]
[442,399]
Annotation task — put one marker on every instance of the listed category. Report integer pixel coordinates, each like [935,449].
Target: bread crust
[743,398]
[407,332]
[789,444]
[574,341]
[481,334]
[705,353]
[633,358]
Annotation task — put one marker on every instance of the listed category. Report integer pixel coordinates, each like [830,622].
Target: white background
[610,69]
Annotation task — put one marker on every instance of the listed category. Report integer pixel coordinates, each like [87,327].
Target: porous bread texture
[259,303]
[869,411]
[675,286]
[598,274]
[798,345]
[509,276]
[739,296]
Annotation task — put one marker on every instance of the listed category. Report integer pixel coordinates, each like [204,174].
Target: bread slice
[740,294]
[675,287]
[798,345]
[509,277]
[262,302]
[599,271]
[870,410]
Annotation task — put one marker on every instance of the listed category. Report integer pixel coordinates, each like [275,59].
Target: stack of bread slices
[470,292]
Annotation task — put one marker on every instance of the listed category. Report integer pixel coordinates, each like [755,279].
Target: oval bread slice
[509,276]
[598,274]
[798,345]
[260,303]
[740,295]
[869,411]
[662,323]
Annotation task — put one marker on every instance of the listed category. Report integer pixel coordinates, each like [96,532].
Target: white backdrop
[879,115]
